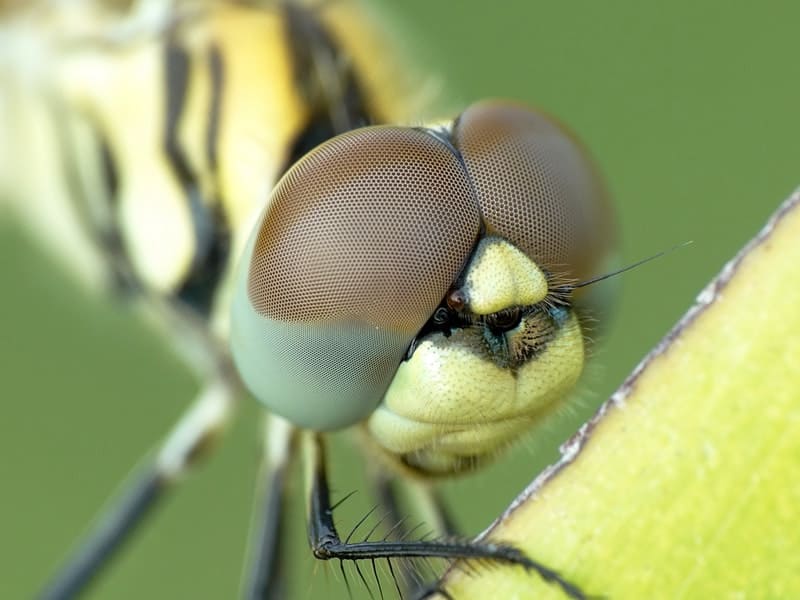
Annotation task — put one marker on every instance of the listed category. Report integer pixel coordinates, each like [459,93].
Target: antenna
[572,286]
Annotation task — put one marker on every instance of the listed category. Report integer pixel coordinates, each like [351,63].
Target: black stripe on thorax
[210,226]
[108,233]
[216,70]
[99,224]
[325,78]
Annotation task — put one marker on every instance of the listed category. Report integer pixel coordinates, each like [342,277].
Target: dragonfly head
[415,280]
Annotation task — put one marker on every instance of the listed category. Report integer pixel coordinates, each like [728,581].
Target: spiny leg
[425,503]
[191,435]
[266,578]
[326,543]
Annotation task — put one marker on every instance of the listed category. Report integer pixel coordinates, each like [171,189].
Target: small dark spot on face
[457,300]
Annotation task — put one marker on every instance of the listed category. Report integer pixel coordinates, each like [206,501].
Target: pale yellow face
[466,393]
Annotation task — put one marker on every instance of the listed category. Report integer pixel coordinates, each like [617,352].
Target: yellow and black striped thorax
[173,128]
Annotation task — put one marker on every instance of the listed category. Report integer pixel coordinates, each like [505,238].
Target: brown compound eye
[537,187]
[359,244]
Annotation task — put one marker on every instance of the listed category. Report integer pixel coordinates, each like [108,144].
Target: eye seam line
[444,135]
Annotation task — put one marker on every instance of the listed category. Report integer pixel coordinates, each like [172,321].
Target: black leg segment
[326,543]
[102,543]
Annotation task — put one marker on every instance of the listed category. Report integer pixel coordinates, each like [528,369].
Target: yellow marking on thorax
[392,90]
[262,110]
[123,93]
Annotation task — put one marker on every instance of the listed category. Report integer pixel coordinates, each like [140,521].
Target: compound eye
[359,244]
[537,187]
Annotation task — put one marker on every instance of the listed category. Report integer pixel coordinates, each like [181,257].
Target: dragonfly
[250,178]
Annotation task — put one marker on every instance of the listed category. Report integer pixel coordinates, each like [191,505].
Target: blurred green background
[692,112]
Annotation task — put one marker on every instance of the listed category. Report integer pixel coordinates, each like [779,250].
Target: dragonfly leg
[326,544]
[266,578]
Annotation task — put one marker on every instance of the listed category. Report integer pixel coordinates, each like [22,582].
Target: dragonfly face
[413,279]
